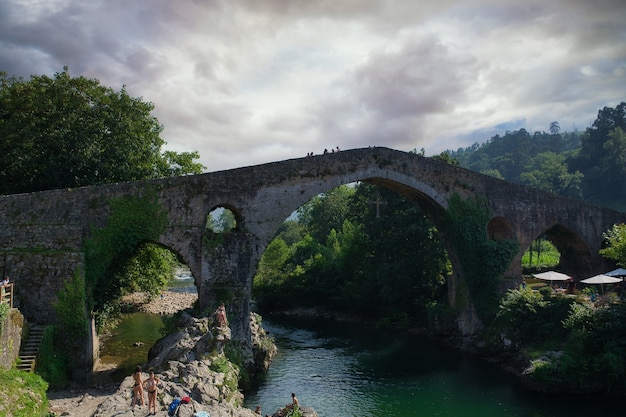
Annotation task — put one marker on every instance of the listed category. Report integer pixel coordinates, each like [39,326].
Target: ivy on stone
[483,260]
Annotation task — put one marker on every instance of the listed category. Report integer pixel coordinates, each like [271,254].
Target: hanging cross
[378,202]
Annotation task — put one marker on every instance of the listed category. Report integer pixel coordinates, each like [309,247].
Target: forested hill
[589,165]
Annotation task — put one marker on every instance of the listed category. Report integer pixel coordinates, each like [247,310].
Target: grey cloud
[423,77]
[416,89]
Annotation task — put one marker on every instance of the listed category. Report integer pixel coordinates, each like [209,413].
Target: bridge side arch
[577,259]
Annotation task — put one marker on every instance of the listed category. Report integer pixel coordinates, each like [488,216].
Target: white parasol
[601,279]
[552,276]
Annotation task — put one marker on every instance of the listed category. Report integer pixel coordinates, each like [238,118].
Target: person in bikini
[151,384]
[137,388]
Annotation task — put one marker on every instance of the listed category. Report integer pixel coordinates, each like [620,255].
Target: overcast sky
[253,81]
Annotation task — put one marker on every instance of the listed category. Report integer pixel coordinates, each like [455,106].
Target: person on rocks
[137,388]
[294,400]
[151,384]
[294,403]
[257,410]
[220,314]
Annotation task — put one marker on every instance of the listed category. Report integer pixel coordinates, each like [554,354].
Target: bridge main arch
[228,270]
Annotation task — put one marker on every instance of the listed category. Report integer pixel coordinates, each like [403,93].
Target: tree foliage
[71,310]
[590,165]
[549,172]
[131,222]
[529,316]
[70,334]
[63,131]
[591,341]
[150,269]
[221,220]
[616,248]
[600,159]
[390,266]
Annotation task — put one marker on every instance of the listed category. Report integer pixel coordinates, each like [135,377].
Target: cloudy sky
[254,81]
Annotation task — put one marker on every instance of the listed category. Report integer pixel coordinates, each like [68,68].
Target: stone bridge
[42,234]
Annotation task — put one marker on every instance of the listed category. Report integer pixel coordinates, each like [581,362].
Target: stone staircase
[29,349]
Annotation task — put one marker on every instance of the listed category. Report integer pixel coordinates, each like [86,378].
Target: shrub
[518,313]
[533,316]
[71,310]
[51,362]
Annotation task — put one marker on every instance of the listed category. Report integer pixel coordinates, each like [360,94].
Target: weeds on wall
[71,311]
[71,332]
[483,260]
[4,313]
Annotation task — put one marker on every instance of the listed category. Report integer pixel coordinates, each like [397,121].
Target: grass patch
[23,394]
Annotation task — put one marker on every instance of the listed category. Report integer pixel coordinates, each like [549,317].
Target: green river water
[343,370]
[120,348]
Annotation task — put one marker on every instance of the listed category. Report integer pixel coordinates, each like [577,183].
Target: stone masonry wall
[11,338]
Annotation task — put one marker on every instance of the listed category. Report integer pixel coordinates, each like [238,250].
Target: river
[342,370]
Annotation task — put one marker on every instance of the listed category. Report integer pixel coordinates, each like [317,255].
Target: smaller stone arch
[499,228]
[221,210]
[576,257]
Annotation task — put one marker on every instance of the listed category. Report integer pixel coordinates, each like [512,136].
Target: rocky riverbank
[188,363]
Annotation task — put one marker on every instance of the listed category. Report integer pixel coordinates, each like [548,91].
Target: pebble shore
[168,303]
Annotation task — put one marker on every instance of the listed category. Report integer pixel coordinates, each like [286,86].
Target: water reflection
[130,342]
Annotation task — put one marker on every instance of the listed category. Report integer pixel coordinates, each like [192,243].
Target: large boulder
[206,390]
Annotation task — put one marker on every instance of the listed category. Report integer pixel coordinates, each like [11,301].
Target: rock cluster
[190,363]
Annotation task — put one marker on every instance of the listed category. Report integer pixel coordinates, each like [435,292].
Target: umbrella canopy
[552,276]
[619,272]
[601,279]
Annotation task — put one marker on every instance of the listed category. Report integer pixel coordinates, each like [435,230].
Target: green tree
[326,212]
[63,131]
[549,172]
[602,167]
[404,263]
[71,333]
[388,266]
[132,222]
[492,173]
[616,248]
[445,157]
[614,169]
[149,269]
